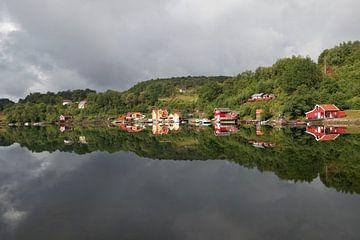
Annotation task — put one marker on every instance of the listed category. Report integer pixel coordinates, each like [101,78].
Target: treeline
[37,107]
[298,84]
[4,103]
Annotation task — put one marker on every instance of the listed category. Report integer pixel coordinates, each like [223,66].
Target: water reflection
[64,195]
[325,133]
[291,153]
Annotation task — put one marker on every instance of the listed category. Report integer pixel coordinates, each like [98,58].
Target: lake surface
[191,183]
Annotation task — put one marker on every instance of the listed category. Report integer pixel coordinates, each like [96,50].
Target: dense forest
[293,156]
[4,103]
[297,83]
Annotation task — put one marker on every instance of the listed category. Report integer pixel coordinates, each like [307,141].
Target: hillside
[297,83]
[4,102]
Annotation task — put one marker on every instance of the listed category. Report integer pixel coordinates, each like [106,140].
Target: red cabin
[225,114]
[324,111]
[62,118]
[322,133]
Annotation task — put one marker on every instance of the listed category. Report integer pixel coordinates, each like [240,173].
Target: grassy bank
[352,114]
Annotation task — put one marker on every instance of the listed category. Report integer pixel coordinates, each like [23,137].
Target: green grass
[183,98]
[352,114]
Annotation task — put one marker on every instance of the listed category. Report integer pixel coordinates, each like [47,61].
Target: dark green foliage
[57,98]
[210,91]
[296,72]
[4,103]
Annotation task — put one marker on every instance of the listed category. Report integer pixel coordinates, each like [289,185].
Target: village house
[322,133]
[323,111]
[261,97]
[66,102]
[82,104]
[225,114]
[134,116]
[182,90]
[63,118]
[258,114]
[159,115]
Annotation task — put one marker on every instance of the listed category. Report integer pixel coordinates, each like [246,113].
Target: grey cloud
[113,44]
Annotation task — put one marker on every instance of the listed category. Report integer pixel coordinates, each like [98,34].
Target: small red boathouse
[323,111]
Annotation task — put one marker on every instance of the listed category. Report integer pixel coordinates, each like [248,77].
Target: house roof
[329,107]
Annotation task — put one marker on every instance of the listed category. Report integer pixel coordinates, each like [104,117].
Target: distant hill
[297,84]
[4,102]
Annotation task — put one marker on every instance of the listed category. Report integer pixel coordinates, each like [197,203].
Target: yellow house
[159,115]
[82,104]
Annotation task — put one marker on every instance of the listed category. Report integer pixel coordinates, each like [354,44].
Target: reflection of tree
[296,156]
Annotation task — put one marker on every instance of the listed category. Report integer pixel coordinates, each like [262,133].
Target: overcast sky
[51,45]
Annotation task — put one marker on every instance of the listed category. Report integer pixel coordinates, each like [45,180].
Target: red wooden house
[324,111]
[322,133]
[62,118]
[225,114]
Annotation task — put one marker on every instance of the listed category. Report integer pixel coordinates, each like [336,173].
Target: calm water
[187,184]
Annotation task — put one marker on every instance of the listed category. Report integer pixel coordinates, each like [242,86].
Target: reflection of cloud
[12,217]
[18,168]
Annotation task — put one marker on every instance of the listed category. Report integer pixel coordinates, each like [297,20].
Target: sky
[113,44]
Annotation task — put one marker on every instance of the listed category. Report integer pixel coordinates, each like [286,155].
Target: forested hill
[4,102]
[298,84]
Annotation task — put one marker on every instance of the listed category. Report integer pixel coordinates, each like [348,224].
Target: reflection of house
[224,130]
[225,114]
[132,128]
[322,133]
[261,97]
[174,127]
[160,129]
[159,115]
[261,144]
[174,117]
[258,114]
[134,116]
[62,128]
[259,132]
[324,111]
[66,102]
[82,104]
[68,142]
[82,140]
